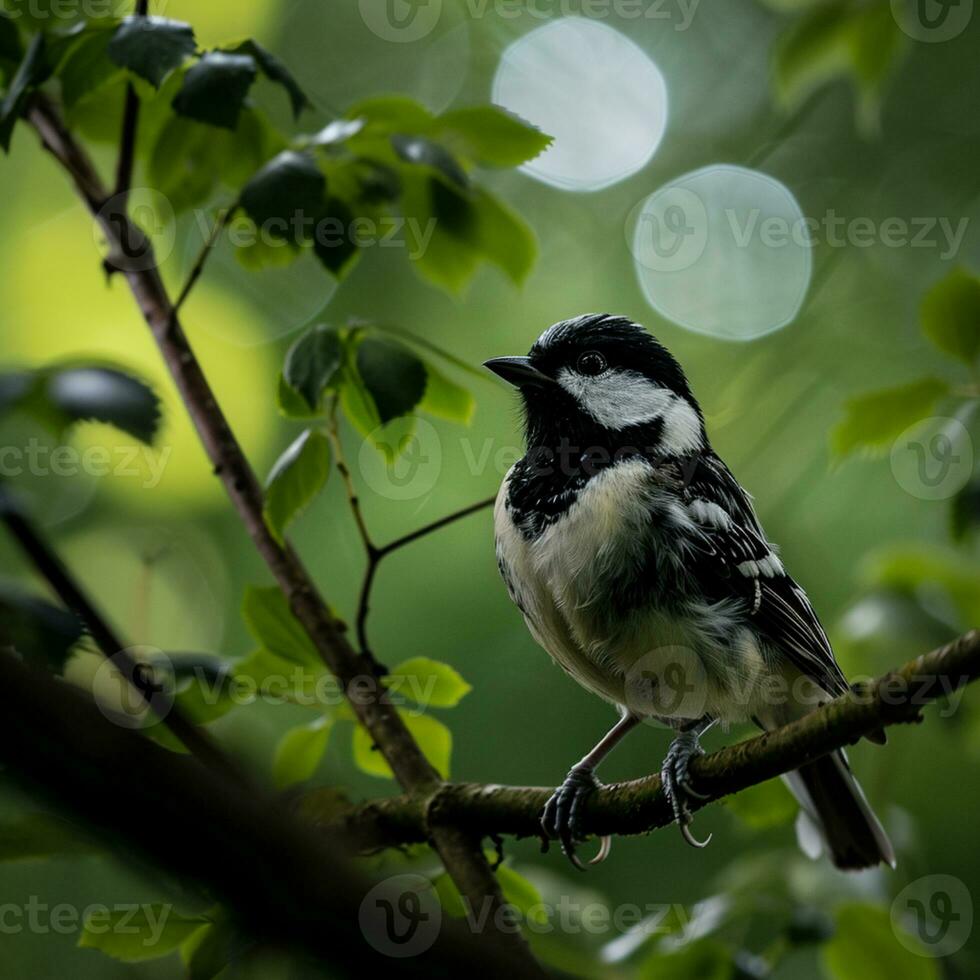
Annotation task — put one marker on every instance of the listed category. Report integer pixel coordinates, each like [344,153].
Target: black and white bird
[641,568]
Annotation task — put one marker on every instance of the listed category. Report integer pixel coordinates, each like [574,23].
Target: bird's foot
[677,785]
[562,815]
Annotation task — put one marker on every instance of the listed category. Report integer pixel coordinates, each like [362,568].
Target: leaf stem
[130,127]
[224,216]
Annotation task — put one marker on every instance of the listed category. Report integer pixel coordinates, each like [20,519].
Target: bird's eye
[591,363]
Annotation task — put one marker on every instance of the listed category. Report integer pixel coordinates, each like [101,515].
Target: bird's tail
[834,803]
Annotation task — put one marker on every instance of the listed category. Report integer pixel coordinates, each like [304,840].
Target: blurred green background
[170,563]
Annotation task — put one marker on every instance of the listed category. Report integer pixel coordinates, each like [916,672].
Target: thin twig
[224,216]
[130,126]
[639,806]
[50,567]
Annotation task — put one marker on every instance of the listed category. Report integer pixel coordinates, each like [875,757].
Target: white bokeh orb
[724,251]
[599,95]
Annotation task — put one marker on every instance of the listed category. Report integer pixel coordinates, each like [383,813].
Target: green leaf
[35,836]
[312,365]
[865,948]
[504,237]
[275,71]
[298,476]
[32,71]
[133,935]
[211,950]
[291,185]
[874,421]
[423,152]
[951,316]
[333,243]
[393,376]
[87,67]
[105,395]
[272,623]
[523,895]
[214,89]
[433,738]
[769,804]
[430,683]
[706,959]
[34,627]
[490,135]
[392,113]
[152,47]
[299,752]
[10,47]
[445,399]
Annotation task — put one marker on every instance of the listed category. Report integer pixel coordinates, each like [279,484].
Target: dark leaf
[10,49]
[275,71]
[152,47]
[14,387]
[333,240]
[285,197]
[425,152]
[36,628]
[87,67]
[394,377]
[964,513]
[36,836]
[214,89]
[105,395]
[312,363]
[32,71]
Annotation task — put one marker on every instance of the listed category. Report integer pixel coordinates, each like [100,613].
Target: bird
[640,566]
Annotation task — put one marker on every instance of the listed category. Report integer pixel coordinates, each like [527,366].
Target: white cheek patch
[620,399]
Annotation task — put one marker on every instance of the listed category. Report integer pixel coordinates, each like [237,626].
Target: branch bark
[131,255]
[639,806]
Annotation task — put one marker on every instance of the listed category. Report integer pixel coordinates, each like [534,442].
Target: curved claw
[562,813]
[677,786]
[605,846]
[691,839]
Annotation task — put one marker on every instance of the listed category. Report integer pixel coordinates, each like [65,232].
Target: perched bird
[641,568]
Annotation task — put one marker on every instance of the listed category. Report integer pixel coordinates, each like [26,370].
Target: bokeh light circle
[599,95]
[724,251]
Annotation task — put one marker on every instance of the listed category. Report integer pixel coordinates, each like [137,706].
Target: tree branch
[130,125]
[357,671]
[639,806]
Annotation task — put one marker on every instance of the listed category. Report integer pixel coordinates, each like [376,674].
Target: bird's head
[602,382]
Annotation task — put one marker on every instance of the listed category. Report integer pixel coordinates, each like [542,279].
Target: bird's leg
[674,774]
[562,814]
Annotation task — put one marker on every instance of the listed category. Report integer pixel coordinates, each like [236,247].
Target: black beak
[518,371]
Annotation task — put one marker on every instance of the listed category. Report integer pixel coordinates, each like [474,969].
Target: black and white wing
[733,557]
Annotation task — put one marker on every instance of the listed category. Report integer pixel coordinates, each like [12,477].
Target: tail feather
[832,798]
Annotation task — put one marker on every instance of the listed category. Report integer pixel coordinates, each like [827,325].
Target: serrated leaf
[430,683]
[43,632]
[393,376]
[951,315]
[32,71]
[105,395]
[770,804]
[214,89]
[445,399]
[312,364]
[272,623]
[490,135]
[423,152]
[333,242]
[133,935]
[433,738]
[35,836]
[299,752]
[291,185]
[864,947]
[874,421]
[152,47]
[297,477]
[275,71]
